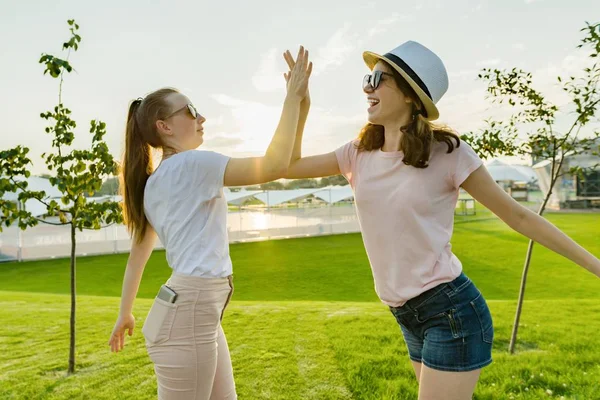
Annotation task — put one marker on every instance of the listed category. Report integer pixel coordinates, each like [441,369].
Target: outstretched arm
[484,189]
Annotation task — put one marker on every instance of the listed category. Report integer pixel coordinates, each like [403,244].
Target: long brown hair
[140,137]
[417,137]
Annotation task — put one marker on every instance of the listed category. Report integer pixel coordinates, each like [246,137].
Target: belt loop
[451,285]
[410,308]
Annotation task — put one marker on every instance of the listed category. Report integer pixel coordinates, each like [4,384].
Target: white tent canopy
[334,194]
[35,184]
[238,198]
[330,194]
[501,171]
[276,197]
[103,199]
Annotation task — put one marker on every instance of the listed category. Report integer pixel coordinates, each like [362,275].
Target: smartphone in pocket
[167,294]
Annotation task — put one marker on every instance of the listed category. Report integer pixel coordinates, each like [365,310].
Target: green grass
[305,322]
[335,268]
[292,350]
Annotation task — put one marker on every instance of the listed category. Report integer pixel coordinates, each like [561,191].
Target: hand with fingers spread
[117,338]
[298,75]
[289,59]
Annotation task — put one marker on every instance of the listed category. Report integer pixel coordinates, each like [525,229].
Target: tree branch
[101,227]
[51,223]
[35,198]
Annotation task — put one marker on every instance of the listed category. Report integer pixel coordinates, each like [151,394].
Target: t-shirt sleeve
[208,170]
[346,158]
[464,163]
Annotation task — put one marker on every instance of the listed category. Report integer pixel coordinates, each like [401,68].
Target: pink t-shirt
[406,215]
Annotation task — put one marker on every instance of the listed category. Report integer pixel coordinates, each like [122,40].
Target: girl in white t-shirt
[406,173]
[182,203]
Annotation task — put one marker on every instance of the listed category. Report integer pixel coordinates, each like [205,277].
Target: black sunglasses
[191,109]
[372,81]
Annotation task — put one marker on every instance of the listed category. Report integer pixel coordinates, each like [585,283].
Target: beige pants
[186,342]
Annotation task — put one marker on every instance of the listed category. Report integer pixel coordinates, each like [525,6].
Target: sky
[226,56]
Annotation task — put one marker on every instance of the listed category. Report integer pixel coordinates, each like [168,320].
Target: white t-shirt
[185,204]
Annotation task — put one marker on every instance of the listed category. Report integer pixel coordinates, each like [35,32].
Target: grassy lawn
[293,350]
[335,268]
[305,322]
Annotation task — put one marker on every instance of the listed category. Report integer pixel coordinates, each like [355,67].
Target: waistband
[197,282]
[415,302]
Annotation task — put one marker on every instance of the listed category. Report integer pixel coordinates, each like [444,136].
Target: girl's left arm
[485,190]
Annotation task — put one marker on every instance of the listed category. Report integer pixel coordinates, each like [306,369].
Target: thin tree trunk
[515,330]
[73,296]
[513,337]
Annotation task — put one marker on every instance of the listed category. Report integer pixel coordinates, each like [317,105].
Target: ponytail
[135,170]
[141,136]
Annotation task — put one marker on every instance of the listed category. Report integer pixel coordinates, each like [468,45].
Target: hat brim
[371,60]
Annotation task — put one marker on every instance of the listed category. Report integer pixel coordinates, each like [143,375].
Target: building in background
[572,191]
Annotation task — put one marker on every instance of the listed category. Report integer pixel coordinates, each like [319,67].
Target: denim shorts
[448,327]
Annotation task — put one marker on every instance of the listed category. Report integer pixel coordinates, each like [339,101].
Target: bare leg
[442,385]
[417,368]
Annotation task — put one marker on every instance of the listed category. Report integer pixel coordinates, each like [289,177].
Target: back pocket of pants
[158,324]
[485,318]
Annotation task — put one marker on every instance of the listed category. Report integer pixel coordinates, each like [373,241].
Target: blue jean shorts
[448,327]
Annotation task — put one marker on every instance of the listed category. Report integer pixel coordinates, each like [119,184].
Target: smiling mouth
[372,102]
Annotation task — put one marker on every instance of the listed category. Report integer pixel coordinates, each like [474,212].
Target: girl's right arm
[308,167]
[138,257]
[314,166]
[273,165]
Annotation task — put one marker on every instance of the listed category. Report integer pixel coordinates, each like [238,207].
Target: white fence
[48,241]
[245,224]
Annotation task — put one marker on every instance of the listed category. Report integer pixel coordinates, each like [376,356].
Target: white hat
[421,68]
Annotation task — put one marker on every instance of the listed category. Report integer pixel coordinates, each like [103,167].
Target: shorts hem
[458,369]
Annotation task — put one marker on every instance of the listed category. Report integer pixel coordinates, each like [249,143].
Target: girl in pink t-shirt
[405,173]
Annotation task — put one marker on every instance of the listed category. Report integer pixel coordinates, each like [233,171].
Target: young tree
[532,129]
[73,172]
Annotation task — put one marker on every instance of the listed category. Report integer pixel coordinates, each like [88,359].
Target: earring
[415,115]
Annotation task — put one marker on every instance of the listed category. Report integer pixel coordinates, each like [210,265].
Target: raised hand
[299,74]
